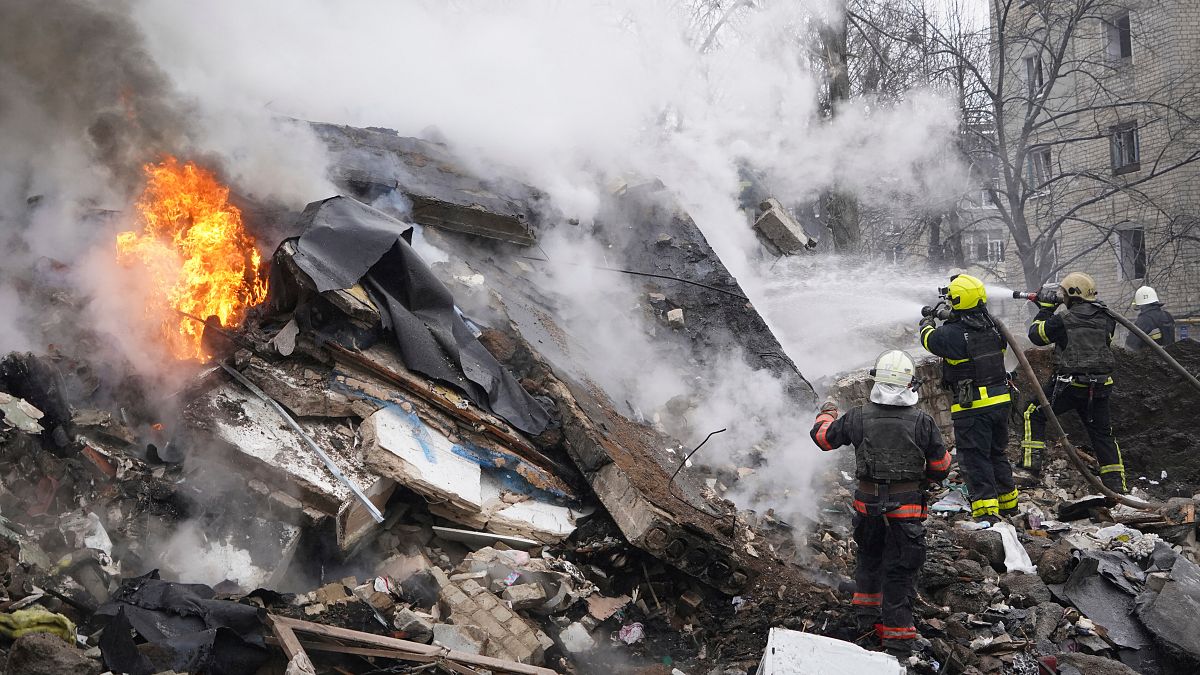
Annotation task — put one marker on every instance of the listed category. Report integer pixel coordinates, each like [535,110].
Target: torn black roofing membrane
[347,242]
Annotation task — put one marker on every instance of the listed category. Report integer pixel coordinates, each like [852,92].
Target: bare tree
[1057,114]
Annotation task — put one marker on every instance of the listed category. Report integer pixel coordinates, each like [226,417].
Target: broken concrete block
[413,626]
[510,636]
[1024,590]
[781,229]
[403,448]
[575,639]
[331,593]
[1168,612]
[46,654]
[691,599]
[314,609]
[250,435]
[402,566]
[524,596]
[380,600]
[601,608]
[460,638]
[675,317]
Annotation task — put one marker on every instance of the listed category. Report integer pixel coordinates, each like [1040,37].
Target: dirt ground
[1156,418]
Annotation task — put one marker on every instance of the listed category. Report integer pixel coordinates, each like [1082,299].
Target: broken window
[1124,148]
[1034,74]
[1037,168]
[1131,250]
[1120,37]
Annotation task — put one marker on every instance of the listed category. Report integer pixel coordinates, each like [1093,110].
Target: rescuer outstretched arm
[830,431]
[945,341]
[1047,327]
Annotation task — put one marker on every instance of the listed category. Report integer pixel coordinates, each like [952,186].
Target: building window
[995,250]
[1131,245]
[1125,149]
[1037,167]
[1120,37]
[1034,74]
[987,246]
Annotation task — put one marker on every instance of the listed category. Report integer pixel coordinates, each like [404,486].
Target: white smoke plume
[567,95]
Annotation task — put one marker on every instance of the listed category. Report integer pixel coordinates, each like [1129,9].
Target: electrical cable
[646,274]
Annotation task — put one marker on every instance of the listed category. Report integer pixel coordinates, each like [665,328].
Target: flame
[196,250]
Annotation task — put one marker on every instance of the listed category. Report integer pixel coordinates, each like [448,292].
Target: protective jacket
[1156,322]
[891,443]
[1082,336]
[973,362]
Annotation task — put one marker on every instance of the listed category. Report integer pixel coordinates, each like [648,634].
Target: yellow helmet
[1079,286]
[966,292]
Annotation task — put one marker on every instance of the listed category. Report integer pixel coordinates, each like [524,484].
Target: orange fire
[198,253]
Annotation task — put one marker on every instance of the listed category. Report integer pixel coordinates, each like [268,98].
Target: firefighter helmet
[894,366]
[1144,296]
[1078,286]
[966,292]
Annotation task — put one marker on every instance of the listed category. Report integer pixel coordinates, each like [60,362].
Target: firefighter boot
[1115,481]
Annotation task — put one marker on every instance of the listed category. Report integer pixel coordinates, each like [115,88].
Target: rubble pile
[406,460]
[392,463]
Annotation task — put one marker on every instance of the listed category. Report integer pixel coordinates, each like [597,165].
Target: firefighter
[1083,366]
[897,450]
[972,352]
[1152,319]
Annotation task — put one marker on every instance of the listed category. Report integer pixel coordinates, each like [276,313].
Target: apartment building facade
[1101,132]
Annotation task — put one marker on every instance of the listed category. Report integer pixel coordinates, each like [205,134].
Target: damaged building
[406,458]
[388,447]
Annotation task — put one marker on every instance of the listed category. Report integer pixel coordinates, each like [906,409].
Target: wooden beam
[407,647]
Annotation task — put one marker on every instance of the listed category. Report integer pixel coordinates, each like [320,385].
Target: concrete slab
[791,652]
[405,449]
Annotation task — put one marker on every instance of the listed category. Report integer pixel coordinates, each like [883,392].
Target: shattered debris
[513,517]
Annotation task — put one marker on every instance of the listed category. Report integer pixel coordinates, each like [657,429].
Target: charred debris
[391,466]
[399,465]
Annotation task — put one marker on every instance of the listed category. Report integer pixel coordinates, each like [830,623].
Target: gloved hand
[1047,298]
[829,407]
[927,321]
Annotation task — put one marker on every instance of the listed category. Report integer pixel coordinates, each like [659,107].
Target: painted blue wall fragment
[498,465]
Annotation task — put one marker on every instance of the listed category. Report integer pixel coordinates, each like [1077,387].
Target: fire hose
[1056,429]
[1162,353]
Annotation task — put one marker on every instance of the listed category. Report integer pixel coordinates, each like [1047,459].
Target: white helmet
[1144,296]
[894,366]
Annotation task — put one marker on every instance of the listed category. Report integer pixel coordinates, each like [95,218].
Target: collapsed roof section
[375,162]
[629,465]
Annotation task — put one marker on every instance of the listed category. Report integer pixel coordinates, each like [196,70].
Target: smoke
[84,107]
[567,96]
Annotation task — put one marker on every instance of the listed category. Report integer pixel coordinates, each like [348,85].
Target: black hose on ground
[1056,429]
[1162,353]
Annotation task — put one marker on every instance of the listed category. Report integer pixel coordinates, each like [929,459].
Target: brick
[472,588]
[501,613]
[525,596]
[485,621]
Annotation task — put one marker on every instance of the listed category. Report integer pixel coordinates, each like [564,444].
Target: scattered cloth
[36,620]
[1016,558]
[182,627]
